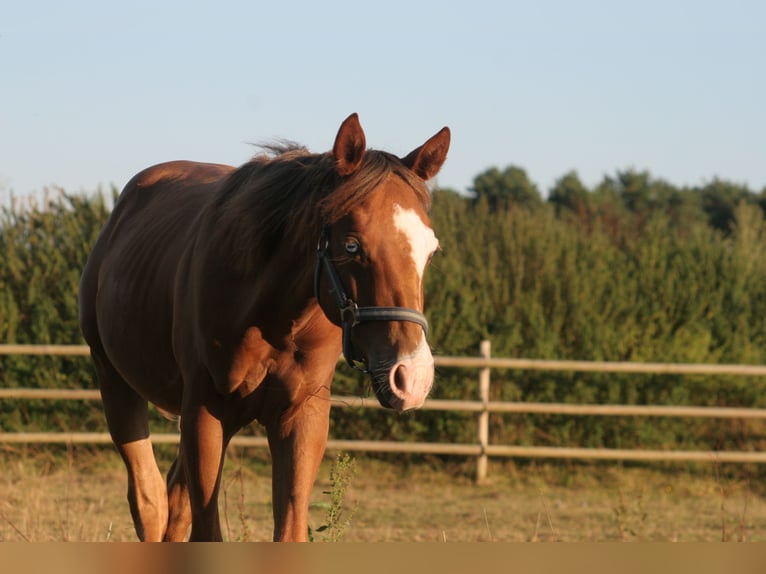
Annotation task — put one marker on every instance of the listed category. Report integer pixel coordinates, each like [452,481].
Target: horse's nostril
[400,378]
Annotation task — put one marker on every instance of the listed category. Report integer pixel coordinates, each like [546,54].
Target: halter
[350,313]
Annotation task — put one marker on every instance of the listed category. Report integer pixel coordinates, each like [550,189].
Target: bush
[44,251]
[605,275]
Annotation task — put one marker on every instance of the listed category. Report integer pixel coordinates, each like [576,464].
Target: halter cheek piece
[350,313]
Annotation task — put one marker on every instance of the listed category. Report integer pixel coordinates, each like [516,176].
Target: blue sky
[93,91]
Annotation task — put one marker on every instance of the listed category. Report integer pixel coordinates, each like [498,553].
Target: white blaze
[411,377]
[421,238]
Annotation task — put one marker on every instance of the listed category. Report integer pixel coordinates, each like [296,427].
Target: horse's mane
[288,194]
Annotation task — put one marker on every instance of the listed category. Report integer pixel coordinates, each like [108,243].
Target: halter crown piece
[350,313]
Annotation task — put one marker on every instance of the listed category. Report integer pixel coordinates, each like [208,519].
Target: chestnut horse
[226,295]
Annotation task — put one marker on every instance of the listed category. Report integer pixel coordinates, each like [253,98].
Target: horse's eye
[352,246]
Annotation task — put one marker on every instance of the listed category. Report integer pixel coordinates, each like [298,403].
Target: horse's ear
[427,160]
[350,146]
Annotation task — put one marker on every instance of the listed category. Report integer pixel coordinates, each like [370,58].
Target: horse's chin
[385,399]
[384,395]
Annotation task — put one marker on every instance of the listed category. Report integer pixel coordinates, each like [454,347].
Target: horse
[226,295]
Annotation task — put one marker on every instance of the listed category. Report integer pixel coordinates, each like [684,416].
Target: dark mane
[287,193]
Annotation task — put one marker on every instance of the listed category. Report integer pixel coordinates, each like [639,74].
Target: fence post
[483,421]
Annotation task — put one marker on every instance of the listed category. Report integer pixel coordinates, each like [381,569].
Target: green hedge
[594,279]
[44,253]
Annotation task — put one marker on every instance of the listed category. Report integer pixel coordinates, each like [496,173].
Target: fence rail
[482,407]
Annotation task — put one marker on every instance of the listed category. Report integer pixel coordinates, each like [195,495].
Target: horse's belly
[134,323]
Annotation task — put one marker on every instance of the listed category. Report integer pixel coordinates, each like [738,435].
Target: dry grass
[80,496]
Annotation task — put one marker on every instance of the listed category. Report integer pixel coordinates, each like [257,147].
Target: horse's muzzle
[406,384]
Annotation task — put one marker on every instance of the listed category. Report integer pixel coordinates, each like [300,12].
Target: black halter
[350,313]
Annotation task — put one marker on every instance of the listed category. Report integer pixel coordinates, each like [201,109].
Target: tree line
[634,269]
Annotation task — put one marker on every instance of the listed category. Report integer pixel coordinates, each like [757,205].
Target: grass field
[79,495]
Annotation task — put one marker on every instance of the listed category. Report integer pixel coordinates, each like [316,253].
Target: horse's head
[371,262]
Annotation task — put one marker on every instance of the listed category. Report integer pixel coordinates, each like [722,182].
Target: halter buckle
[352,308]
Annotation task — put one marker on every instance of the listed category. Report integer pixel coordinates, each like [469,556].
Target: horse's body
[203,295]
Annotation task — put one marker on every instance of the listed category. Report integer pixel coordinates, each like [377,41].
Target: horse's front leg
[202,448]
[179,509]
[297,443]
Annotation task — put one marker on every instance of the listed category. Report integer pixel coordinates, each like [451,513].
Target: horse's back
[126,290]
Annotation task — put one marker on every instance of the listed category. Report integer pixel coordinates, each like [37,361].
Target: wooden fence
[482,449]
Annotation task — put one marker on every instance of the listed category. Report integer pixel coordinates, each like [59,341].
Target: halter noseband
[350,313]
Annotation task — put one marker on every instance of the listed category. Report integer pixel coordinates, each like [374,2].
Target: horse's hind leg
[127,415]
